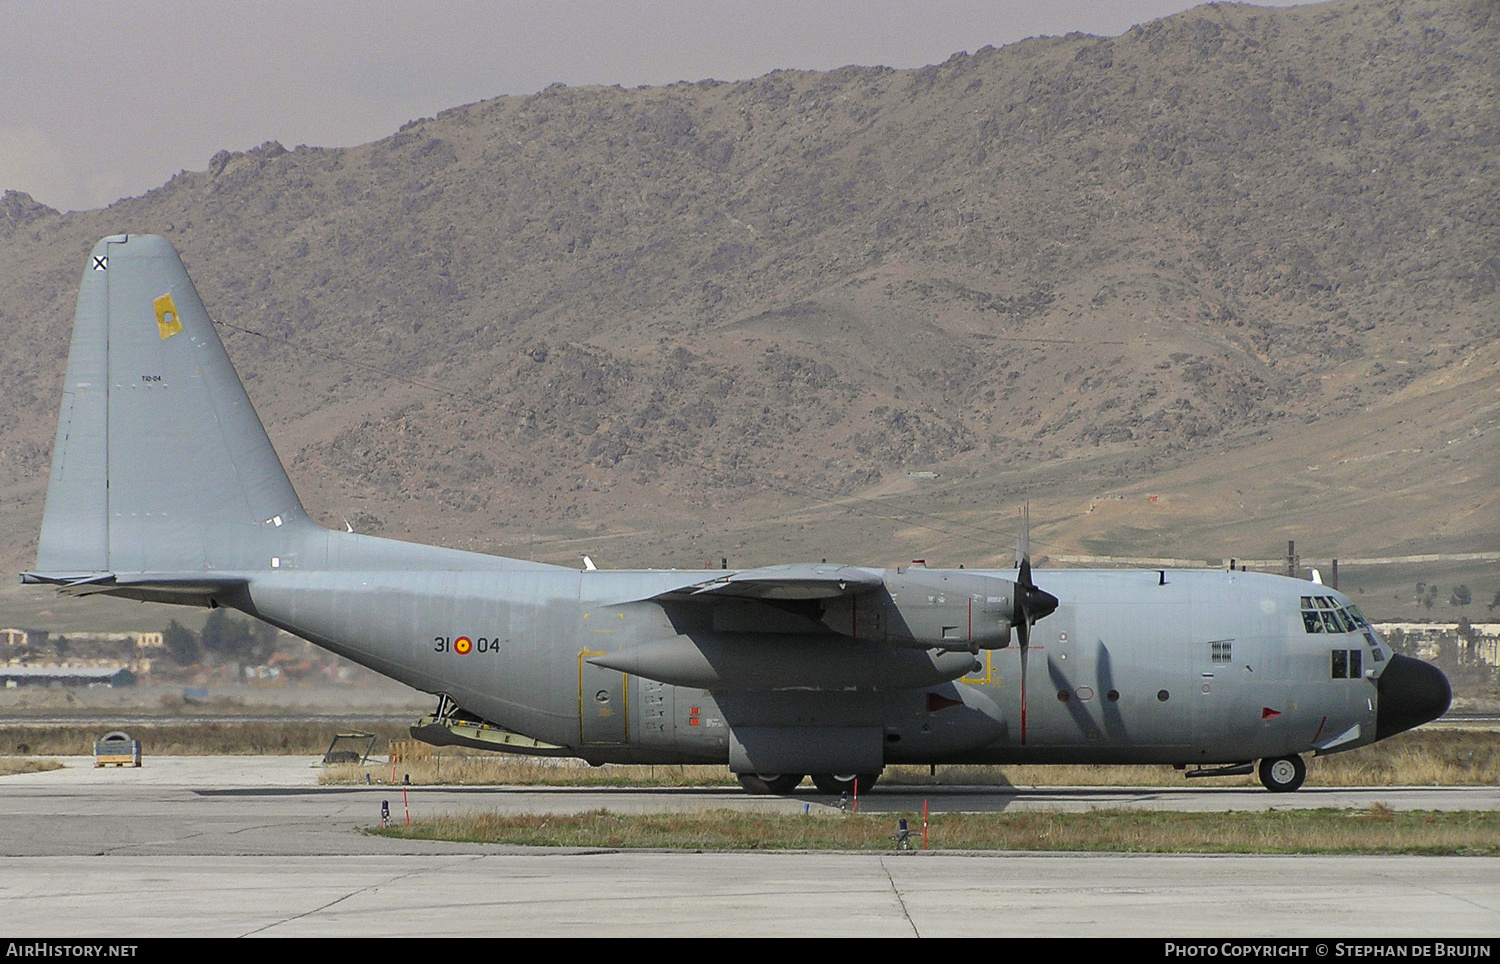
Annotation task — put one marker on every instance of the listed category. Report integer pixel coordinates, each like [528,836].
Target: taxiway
[252,845]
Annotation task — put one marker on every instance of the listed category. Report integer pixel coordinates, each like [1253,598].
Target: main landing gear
[837,783]
[762,783]
[1282,774]
[833,784]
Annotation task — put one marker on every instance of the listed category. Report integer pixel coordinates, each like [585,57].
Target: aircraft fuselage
[1182,667]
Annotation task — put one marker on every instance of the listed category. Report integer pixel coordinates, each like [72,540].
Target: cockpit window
[1323,614]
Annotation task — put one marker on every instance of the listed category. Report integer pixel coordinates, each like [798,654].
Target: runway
[231,846]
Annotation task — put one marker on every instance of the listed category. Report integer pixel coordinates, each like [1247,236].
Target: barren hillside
[1244,260]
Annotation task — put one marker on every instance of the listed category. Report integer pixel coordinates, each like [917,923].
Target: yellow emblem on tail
[168,322]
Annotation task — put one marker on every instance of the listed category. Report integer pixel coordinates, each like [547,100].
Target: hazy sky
[103,100]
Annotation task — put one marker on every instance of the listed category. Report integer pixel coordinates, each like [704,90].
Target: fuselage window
[1355,671]
[1341,664]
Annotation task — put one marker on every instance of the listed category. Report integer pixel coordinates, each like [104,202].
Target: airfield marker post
[406,804]
[924,823]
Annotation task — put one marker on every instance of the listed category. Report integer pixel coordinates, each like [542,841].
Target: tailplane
[160,464]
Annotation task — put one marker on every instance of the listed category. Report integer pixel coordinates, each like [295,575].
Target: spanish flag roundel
[462,645]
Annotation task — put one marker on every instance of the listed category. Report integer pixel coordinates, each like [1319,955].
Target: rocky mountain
[1222,253]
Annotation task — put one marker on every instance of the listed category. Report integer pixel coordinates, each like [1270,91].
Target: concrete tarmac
[227,846]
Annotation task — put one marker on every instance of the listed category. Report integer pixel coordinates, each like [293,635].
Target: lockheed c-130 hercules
[165,488]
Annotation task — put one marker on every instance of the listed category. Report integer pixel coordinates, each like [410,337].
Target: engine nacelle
[943,608]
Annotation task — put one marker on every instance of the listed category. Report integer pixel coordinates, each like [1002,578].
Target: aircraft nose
[1411,693]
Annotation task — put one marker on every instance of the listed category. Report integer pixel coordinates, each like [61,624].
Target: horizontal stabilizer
[188,589]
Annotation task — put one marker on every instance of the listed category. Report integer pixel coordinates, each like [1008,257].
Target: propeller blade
[1023,541]
[1031,604]
[1024,650]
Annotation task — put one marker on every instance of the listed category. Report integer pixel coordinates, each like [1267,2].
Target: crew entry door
[602,709]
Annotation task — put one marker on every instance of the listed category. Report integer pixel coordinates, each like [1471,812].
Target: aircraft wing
[798,581]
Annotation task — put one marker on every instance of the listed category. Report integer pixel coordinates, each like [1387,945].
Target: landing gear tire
[763,783]
[837,783]
[1282,774]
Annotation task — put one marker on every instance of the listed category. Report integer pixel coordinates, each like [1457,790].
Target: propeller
[1031,604]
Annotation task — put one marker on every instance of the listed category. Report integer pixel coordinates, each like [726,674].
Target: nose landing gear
[1282,774]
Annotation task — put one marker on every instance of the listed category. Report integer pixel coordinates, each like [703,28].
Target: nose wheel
[1282,774]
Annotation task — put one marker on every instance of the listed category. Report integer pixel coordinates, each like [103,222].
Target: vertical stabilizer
[160,463]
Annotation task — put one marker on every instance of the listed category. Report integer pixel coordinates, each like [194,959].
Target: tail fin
[160,463]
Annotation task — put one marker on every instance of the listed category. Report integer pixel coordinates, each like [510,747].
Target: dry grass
[228,738]
[1433,757]
[1378,830]
[1426,757]
[10,765]
[457,769]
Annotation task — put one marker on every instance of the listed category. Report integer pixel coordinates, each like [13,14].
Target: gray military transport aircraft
[165,488]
